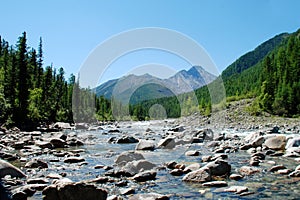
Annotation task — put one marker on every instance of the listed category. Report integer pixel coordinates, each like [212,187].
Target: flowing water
[98,151]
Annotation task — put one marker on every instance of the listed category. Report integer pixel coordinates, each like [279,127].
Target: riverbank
[229,155]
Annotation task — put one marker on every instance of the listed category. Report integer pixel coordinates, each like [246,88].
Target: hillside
[270,73]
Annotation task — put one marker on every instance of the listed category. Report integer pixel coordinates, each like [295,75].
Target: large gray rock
[277,142]
[8,169]
[137,166]
[145,145]
[128,156]
[167,143]
[294,142]
[74,191]
[246,170]
[58,143]
[199,176]
[145,176]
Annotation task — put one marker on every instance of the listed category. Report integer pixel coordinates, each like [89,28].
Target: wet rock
[74,159]
[145,176]
[114,197]
[74,191]
[246,170]
[62,125]
[128,156]
[254,161]
[54,176]
[8,169]
[276,143]
[167,143]
[215,184]
[58,143]
[206,158]
[127,140]
[257,142]
[176,172]
[276,168]
[218,168]
[237,189]
[259,155]
[44,144]
[127,191]
[192,153]
[219,156]
[192,167]
[18,195]
[149,196]
[295,173]
[36,163]
[236,177]
[246,147]
[145,145]
[177,129]
[200,176]
[37,181]
[284,171]
[294,142]
[136,166]
[250,138]
[99,180]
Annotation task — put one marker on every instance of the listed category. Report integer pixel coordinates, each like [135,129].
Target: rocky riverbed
[228,155]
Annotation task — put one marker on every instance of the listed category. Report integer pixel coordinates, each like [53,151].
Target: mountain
[269,73]
[134,88]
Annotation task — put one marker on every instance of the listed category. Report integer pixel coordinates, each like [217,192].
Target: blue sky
[72,29]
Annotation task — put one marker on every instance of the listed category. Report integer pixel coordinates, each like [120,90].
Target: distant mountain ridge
[147,87]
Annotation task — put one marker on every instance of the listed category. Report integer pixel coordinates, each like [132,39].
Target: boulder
[145,145]
[294,142]
[149,196]
[215,184]
[74,159]
[58,143]
[128,156]
[277,142]
[8,169]
[44,144]
[218,168]
[192,153]
[235,177]
[36,164]
[145,176]
[137,166]
[74,191]
[246,170]
[237,189]
[199,176]
[176,172]
[127,140]
[257,142]
[167,143]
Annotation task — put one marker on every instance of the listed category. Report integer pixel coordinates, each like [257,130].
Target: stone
[199,176]
[58,143]
[218,168]
[215,184]
[259,155]
[74,191]
[294,142]
[237,189]
[54,176]
[192,167]
[192,153]
[257,142]
[236,177]
[145,145]
[276,168]
[295,174]
[8,169]
[137,166]
[171,164]
[127,191]
[284,171]
[246,170]
[37,181]
[74,159]
[127,140]
[206,158]
[145,176]
[128,156]
[167,143]
[44,144]
[36,164]
[176,172]
[149,196]
[277,142]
